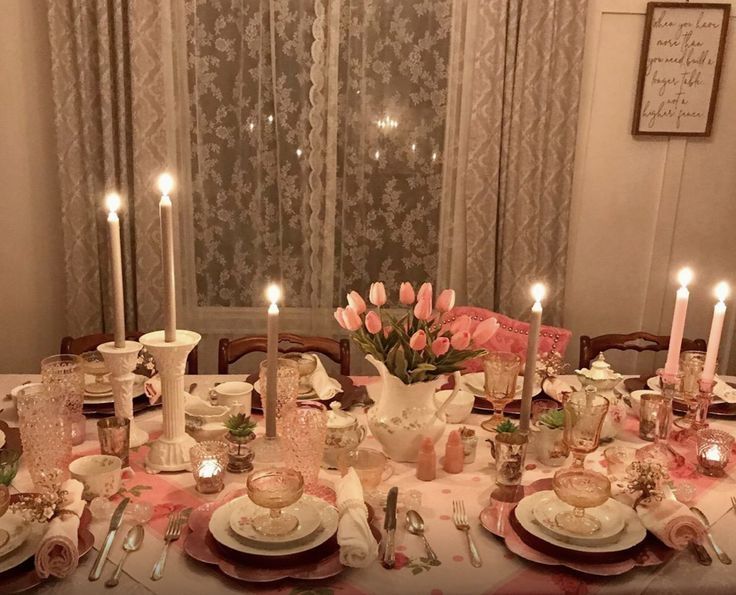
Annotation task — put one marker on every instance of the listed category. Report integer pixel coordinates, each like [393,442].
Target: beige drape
[512,113]
[109,93]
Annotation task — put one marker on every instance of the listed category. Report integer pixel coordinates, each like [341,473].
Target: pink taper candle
[716,328]
[165,184]
[273,293]
[530,366]
[672,365]
[112,202]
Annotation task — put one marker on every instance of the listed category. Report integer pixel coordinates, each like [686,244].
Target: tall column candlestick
[530,367]
[112,201]
[672,365]
[716,328]
[273,292]
[165,184]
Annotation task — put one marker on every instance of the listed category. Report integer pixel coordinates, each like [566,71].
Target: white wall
[643,207]
[31,257]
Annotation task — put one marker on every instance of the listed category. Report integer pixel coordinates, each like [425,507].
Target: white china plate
[722,392]
[220,528]
[27,548]
[608,514]
[308,395]
[106,397]
[2,438]
[475,383]
[633,533]
[307,513]
[18,530]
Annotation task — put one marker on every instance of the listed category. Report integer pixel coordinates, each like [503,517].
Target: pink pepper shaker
[454,453]
[426,461]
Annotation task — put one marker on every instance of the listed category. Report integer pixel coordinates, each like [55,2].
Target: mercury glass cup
[64,375]
[275,489]
[691,368]
[304,432]
[500,370]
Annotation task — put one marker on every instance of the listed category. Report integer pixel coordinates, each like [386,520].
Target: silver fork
[461,523]
[173,532]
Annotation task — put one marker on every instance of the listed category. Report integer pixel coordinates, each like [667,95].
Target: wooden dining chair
[79,345]
[231,350]
[639,341]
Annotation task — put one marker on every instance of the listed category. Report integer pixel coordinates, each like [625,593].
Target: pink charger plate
[498,518]
[319,563]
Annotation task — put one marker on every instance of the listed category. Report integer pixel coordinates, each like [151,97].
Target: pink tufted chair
[512,336]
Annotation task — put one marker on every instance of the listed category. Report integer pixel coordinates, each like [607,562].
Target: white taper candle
[530,367]
[716,328]
[672,365]
[112,201]
[165,184]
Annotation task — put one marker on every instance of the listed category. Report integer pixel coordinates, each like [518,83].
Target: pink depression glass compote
[275,489]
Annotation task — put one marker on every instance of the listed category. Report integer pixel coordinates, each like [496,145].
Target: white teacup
[460,407]
[234,394]
[100,474]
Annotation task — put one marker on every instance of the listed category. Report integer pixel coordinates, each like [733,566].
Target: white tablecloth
[502,572]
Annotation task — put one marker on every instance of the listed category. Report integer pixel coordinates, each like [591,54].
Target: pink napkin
[58,554]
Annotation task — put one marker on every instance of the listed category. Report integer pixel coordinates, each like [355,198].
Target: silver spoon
[132,542]
[415,526]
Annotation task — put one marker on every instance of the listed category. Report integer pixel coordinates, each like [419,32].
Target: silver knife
[722,556]
[389,525]
[115,522]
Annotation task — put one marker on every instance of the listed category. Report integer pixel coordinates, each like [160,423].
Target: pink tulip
[423,308]
[406,294]
[373,322]
[460,340]
[339,317]
[485,330]
[461,323]
[387,330]
[352,319]
[377,294]
[440,346]
[418,341]
[445,300]
[356,302]
[425,291]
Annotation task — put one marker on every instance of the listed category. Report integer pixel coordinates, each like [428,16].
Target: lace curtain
[321,143]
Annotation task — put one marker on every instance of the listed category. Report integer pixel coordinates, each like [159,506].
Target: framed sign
[680,67]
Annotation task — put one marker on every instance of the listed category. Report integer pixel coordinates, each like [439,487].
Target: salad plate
[17,530]
[305,510]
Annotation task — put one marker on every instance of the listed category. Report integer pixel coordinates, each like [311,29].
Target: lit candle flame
[112,202]
[722,291]
[685,276]
[273,293]
[538,291]
[165,183]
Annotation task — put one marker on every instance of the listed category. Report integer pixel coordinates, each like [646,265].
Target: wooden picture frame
[680,68]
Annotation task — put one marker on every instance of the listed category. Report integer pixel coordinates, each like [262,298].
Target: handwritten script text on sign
[680,70]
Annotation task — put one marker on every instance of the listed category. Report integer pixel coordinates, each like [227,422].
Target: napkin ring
[65,511]
[353,503]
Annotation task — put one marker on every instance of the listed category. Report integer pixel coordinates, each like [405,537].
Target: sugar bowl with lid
[344,434]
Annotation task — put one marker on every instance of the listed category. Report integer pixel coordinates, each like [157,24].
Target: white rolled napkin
[58,554]
[556,388]
[325,387]
[358,547]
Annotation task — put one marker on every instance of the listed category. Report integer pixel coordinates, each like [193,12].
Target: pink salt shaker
[426,461]
[454,453]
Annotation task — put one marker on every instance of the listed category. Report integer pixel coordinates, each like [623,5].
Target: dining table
[501,572]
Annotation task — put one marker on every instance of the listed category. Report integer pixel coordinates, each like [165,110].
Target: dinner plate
[107,397]
[18,530]
[302,395]
[633,533]
[608,514]
[242,516]
[25,549]
[220,529]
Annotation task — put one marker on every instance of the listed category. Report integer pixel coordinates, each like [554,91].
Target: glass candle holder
[64,375]
[714,451]
[45,434]
[209,461]
[650,412]
[287,386]
[618,458]
[304,432]
[691,367]
[114,435]
[8,465]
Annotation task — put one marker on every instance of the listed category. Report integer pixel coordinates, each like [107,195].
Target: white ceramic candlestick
[121,361]
[171,451]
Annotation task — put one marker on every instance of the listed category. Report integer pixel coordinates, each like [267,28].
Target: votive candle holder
[209,461]
[714,451]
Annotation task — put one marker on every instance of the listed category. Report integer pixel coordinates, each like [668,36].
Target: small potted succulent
[470,444]
[550,443]
[509,452]
[240,431]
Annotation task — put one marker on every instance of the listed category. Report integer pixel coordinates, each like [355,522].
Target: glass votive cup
[714,451]
[8,465]
[209,461]
[650,414]
[114,435]
[618,458]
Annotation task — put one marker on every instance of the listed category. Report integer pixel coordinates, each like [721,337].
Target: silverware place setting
[132,543]
[722,556]
[461,524]
[172,533]
[415,526]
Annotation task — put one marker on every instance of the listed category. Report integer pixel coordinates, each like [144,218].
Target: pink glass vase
[304,432]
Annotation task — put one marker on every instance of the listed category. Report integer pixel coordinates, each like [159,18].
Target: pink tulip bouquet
[418,345]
